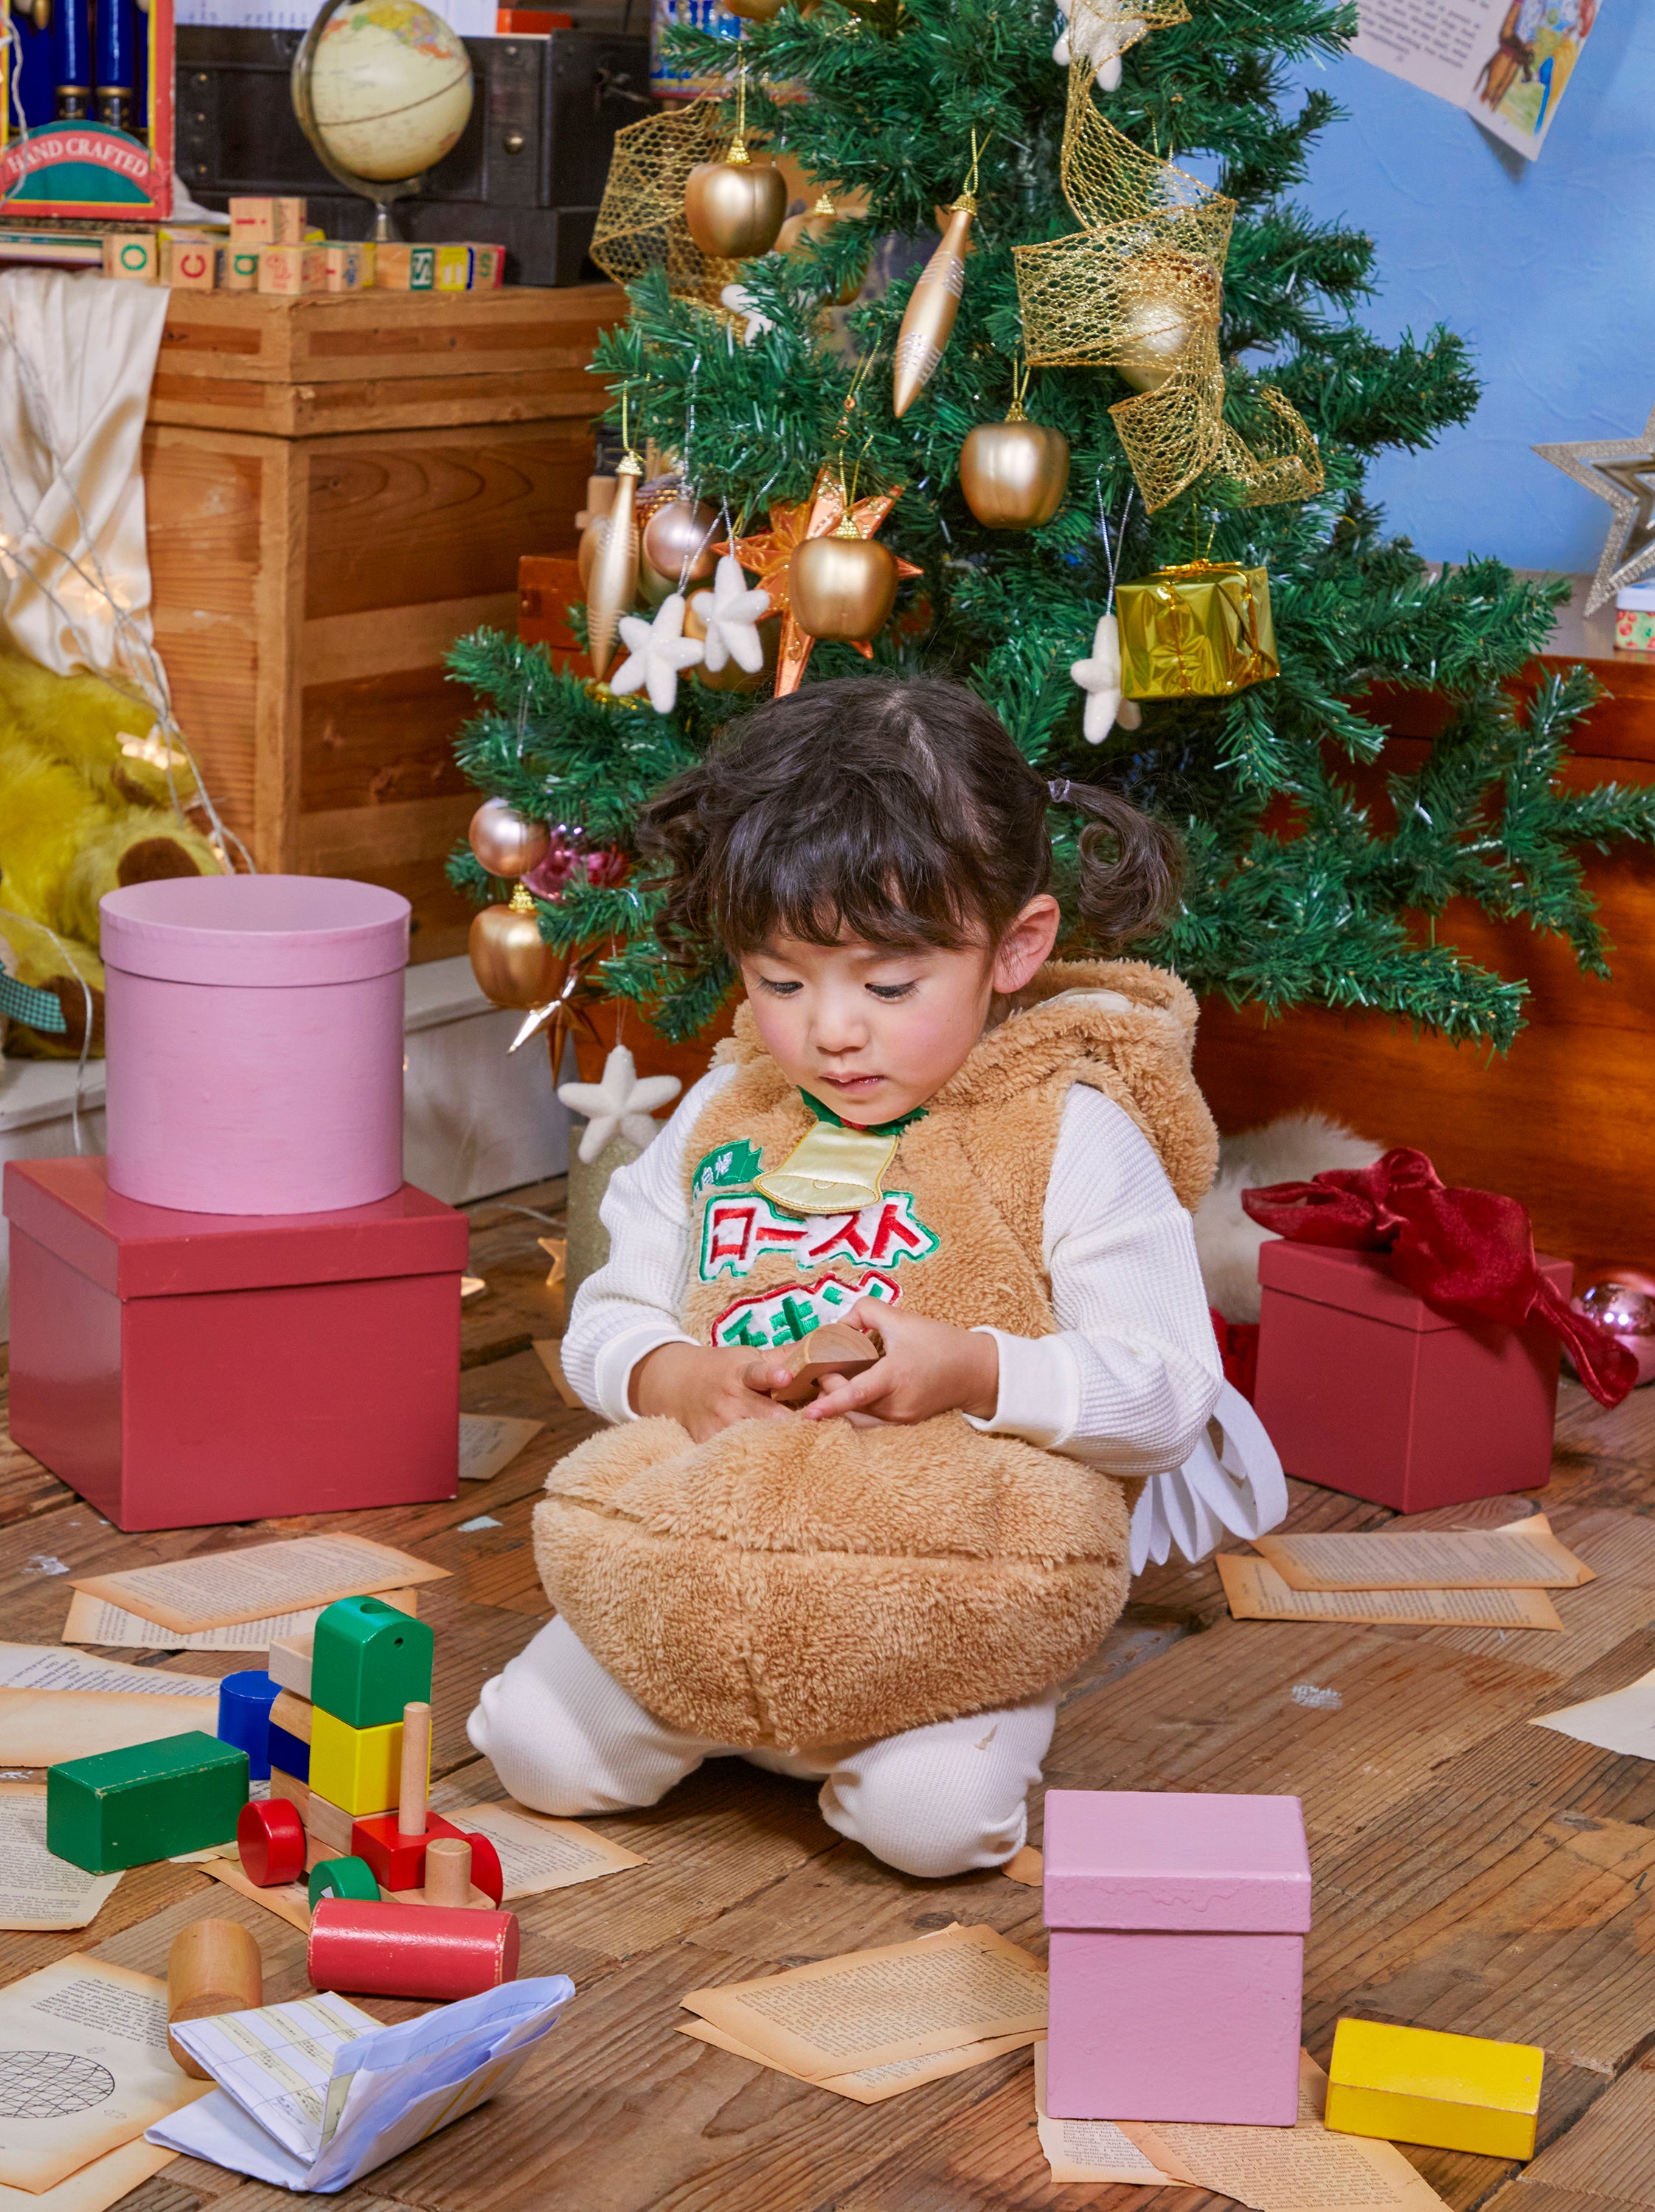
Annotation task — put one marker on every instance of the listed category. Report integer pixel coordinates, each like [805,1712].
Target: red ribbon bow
[1469,1253]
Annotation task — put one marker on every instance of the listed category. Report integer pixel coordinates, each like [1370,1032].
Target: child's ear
[1026,946]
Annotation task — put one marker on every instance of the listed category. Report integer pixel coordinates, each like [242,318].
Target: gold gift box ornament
[1202,630]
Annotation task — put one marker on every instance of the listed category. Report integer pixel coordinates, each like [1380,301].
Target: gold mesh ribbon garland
[1138,289]
[641,223]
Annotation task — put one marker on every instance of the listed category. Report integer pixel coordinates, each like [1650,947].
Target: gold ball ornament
[1014,473]
[1169,297]
[756,11]
[512,964]
[505,842]
[682,531]
[843,586]
[735,207]
[732,677]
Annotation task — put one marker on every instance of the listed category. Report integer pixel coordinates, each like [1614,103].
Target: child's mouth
[854,1084]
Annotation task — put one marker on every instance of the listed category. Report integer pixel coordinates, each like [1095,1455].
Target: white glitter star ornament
[731,614]
[658,653]
[1099,677]
[1623,471]
[622,1104]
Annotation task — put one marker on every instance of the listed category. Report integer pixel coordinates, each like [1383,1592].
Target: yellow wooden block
[1452,2092]
[358,1769]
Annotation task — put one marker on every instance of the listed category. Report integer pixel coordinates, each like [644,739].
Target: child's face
[873,1033]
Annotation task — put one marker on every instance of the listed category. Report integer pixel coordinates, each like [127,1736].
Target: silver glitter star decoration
[1623,471]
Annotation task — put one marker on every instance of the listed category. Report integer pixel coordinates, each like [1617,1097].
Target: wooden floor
[1472,1873]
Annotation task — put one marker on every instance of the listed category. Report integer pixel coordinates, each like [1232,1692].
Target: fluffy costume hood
[800,1585]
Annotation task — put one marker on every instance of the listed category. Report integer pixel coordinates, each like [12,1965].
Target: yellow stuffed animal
[90,799]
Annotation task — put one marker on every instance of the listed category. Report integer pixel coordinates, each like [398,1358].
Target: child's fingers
[764,1376]
[835,1396]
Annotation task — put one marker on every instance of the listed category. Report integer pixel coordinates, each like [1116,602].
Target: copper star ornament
[1623,471]
[768,553]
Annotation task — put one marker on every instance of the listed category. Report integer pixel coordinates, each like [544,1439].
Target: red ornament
[271,1838]
[569,856]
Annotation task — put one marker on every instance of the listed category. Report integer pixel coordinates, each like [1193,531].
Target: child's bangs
[865,870]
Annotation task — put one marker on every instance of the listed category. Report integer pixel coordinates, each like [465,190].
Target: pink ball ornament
[1628,1315]
[505,842]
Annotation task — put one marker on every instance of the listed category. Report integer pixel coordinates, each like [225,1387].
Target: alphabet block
[241,274]
[267,221]
[124,1808]
[1453,2092]
[132,254]
[369,1661]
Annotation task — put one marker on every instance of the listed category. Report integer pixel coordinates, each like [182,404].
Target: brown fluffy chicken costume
[798,1583]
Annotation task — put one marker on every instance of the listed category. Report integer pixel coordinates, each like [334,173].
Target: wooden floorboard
[1473,1873]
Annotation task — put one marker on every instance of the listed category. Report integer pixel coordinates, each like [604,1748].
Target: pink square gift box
[182,1369]
[1367,1390]
[1178,1926]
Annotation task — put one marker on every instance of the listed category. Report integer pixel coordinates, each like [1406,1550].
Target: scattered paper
[217,1589]
[538,1853]
[95,1620]
[1027,1866]
[1303,2168]
[472,1286]
[1523,1555]
[1088,2150]
[1623,1720]
[313,2094]
[37,1892]
[39,1727]
[83,2067]
[1506,62]
[872,2007]
[490,1441]
[96,2186]
[551,1349]
[49,1667]
[289,1901]
[872,2084]
[1257,1592]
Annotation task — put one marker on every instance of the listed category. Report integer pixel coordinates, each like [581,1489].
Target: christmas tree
[1218,405]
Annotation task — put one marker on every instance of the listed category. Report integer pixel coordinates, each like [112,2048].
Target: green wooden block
[369,1661]
[124,1808]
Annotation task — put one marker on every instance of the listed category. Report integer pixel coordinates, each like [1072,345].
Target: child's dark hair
[900,812]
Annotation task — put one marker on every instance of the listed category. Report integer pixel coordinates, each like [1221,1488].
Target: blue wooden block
[244,1704]
[290,1753]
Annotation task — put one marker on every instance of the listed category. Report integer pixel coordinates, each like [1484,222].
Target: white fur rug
[1291,1149]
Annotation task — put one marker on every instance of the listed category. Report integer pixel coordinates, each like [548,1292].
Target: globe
[389,88]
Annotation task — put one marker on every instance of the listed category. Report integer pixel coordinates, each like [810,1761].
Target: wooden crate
[337,488]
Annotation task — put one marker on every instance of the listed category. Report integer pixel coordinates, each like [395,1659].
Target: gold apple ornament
[735,207]
[512,961]
[1014,473]
[843,586]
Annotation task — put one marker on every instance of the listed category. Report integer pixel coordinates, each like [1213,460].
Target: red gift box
[182,1369]
[1367,1390]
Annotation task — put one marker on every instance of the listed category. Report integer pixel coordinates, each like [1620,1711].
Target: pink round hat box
[253,1029]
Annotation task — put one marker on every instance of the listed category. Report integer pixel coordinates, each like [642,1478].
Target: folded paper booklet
[313,2093]
[1257,1592]
[39,1891]
[1621,1720]
[876,2009]
[217,1589]
[490,1441]
[96,1620]
[1523,1555]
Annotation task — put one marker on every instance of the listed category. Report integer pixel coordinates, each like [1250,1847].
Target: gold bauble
[816,226]
[756,11]
[842,587]
[512,964]
[735,208]
[732,677]
[505,842]
[1014,473]
[1167,298]
[681,531]
[928,320]
[612,586]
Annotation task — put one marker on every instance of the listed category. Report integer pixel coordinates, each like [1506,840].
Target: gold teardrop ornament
[613,588]
[929,322]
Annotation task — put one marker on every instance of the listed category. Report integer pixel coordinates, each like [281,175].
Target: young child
[926,1126]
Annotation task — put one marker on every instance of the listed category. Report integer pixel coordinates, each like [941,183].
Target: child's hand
[930,1367]
[705,1387]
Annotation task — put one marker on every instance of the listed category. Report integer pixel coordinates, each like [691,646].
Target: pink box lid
[1175,1859]
[1361,1282]
[255,931]
[140,1251]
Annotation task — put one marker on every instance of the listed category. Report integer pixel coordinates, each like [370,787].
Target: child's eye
[779,990]
[892,992]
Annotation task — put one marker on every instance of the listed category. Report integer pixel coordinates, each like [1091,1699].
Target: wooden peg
[448,1871]
[413,1793]
[213,1966]
[836,1348]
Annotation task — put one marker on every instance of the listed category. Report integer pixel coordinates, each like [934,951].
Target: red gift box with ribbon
[1409,1337]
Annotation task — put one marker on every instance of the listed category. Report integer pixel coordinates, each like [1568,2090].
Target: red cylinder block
[271,1838]
[411,1950]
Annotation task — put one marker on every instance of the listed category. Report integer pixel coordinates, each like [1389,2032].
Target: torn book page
[38,1892]
[39,1727]
[1621,1720]
[288,1900]
[489,1442]
[873,2085]
[214,1589]
[1526,1556]
[870,2008]
[49,1667]
[1257,1592]
[105,2181]
[1088,2150]
[539,1853]
[95,1620]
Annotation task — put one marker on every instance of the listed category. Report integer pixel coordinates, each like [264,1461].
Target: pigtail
[1131,870]
[675,843]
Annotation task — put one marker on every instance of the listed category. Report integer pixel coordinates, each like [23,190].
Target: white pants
[566,1739]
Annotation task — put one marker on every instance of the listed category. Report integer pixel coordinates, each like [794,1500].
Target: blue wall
[1547,268]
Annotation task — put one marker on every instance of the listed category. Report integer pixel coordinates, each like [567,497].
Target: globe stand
[384,192]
